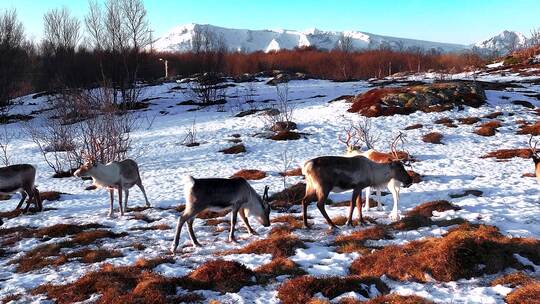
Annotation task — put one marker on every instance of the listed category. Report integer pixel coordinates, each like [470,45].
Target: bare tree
[61,30]
[285,161]
[344,43]
[5,142]
[191,136]
[534,40]
[13,58]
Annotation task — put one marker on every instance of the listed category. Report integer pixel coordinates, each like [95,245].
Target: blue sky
[458,21]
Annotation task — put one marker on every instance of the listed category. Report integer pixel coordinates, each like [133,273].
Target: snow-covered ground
[510,201]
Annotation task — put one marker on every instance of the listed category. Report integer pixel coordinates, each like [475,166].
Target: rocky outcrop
[436,97]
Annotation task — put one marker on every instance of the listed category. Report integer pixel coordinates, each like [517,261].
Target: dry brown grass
[395,299]
[153,262]
[492,124]
[426,209]
[413,222]
[279,245]
[292,172]
[153,227]
[51,254]
[514,279]
[137,284]
[51,196]
[142,217]
[291,221]
[493,115]
[290,196]
[509,153]
[250,174]
[529,129]
[339,220]
[464,252]
[10,298]
[485,131]
[278,267]
[286,135]
[414,127]
[432,138]
[236,149]
[443,121]
[301,289]
[61,230]
[220,275]
[355,242]
[529,293]
[468,120]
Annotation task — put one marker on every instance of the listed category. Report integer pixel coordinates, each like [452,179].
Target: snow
[509,200]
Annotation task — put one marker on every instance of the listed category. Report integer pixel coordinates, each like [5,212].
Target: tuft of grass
[509,153]
[339,220]
[355,242]
[292,172]
[514,279]
[278,267]
[529,293]
[301,289]
[426,209]
[395,299]
[290,196]
[468,120]
[493,115]
[220,275]
[153,262]
[464,252]
[236,149]
[432,138]
[414,127]
[278,245]
[530,129]
[250,174]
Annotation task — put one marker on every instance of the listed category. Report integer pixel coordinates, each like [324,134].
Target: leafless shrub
[244,98]
[5,140]
[283,109]
[284,164]
[359,133]
[85,125]
[206,90]
[191,136]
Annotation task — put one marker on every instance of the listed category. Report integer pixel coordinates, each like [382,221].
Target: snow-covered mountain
[187,37]
[184,38]
[504,42]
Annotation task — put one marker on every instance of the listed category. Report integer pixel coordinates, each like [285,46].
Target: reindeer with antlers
[359,135]
[119,175]
[535,157]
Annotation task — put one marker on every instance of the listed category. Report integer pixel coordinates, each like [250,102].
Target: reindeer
[536,158]
[220,194]
[119,175]
[361,134]
[339,173]
[20,178]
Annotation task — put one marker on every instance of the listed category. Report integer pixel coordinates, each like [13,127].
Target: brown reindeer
[20,178]
[327,174]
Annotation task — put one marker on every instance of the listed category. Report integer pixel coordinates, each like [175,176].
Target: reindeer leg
[351,207]
[320,205]
[379,201]
[359,206]
[394,214]
[368,193]
[23,197]
[37,197]
[111,209]
[192,233]
[120,201]
[186,216]
[246,222]
[234,215]
[305,203]
[30,200]
[126,194]
[140,185]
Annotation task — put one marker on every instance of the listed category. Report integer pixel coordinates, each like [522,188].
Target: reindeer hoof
[234,241]
[380,208]
[198,245]
[394,216]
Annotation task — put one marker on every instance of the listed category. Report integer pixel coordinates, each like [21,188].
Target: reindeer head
[351,140]
[89,163]
[261,210]
[399,163]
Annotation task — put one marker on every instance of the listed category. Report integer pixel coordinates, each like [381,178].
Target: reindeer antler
[350,134]
[399,138]
[533,148]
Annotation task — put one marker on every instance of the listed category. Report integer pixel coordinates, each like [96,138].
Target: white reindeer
[119,175]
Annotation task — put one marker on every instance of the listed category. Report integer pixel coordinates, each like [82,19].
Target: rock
[434,97]
[246,77]
[250,174]
[468,120]
[286,135]
[476,193]
[523,103]
[279,78]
